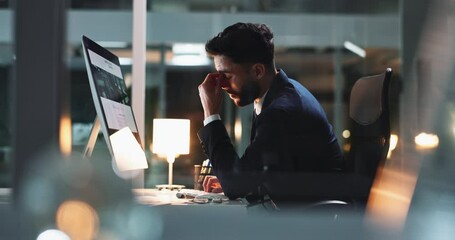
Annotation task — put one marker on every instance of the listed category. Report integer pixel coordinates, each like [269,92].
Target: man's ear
[258,70]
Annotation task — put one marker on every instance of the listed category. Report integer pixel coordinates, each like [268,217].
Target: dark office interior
[47,113]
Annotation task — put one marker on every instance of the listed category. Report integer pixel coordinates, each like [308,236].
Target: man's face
[239,81]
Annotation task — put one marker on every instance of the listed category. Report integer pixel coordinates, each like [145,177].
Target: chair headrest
[366,103]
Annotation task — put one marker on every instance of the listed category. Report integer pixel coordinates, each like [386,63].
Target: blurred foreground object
[83,199]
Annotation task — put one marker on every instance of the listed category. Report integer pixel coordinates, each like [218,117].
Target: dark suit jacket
[290,136]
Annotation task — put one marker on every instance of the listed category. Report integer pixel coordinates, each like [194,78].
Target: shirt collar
[258,104]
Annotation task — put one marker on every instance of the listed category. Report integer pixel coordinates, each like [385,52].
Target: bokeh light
[390,198]
[393,144]
[53,234]
[78,219]
[426,141]
[346,133]
[238,129]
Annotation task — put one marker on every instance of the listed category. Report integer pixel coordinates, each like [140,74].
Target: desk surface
[167,197]
[183,219]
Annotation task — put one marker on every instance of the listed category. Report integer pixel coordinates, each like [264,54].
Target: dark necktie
[253,126]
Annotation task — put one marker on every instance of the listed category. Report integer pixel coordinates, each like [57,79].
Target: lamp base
[170,187]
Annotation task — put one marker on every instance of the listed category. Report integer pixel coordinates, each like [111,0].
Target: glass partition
[6,62]
[328,68]
[315,48]
[252,6]
[325,45]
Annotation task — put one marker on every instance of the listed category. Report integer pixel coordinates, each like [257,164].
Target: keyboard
[201,196]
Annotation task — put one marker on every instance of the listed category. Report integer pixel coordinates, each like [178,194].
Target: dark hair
[244,43]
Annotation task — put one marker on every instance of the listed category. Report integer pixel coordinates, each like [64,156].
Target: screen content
[113,93]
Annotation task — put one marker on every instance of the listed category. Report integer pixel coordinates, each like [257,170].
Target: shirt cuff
[211,118]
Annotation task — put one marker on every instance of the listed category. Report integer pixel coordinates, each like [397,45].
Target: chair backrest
[369,123]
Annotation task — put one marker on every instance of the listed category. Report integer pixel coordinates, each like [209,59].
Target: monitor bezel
[88,44]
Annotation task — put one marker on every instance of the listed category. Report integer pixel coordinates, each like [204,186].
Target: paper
[128,154]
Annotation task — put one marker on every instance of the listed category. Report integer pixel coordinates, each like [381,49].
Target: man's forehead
[222,63]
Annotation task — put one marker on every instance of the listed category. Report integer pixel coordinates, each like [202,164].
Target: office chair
[369,124]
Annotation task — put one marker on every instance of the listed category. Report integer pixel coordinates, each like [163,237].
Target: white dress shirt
[257,108]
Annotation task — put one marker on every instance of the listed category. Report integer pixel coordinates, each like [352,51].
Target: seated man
[290,132]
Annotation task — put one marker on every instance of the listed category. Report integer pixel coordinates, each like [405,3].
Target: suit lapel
[280,81]
[278,84]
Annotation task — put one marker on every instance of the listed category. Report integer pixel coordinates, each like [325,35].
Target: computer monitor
[109,93]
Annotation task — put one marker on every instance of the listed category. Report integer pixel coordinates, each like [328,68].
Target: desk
[182,219]
[166,197]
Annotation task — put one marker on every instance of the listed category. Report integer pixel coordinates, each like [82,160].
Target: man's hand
[210,93]
[212,184]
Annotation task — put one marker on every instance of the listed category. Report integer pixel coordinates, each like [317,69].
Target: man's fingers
[216,188]
[210,94]
[211,183]
[206,184]
[212,79]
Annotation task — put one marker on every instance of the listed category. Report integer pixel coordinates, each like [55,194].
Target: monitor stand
[92,139]
[137,181]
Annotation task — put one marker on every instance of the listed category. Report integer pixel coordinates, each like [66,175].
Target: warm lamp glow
[426,140]
[393,144]
[390,198]
[65,136]
[77,219]
[238,129]
[171,137]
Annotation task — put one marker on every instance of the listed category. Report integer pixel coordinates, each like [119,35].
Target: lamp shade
[171,136]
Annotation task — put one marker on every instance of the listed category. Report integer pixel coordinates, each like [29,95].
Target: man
[290,133]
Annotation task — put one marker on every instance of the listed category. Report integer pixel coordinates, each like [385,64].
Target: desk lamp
[171,137]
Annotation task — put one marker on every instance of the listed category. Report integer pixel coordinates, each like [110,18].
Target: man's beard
[249,92]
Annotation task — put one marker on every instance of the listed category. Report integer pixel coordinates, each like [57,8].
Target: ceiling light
[355,49]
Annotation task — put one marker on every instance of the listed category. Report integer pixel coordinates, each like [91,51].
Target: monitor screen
[109,92]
